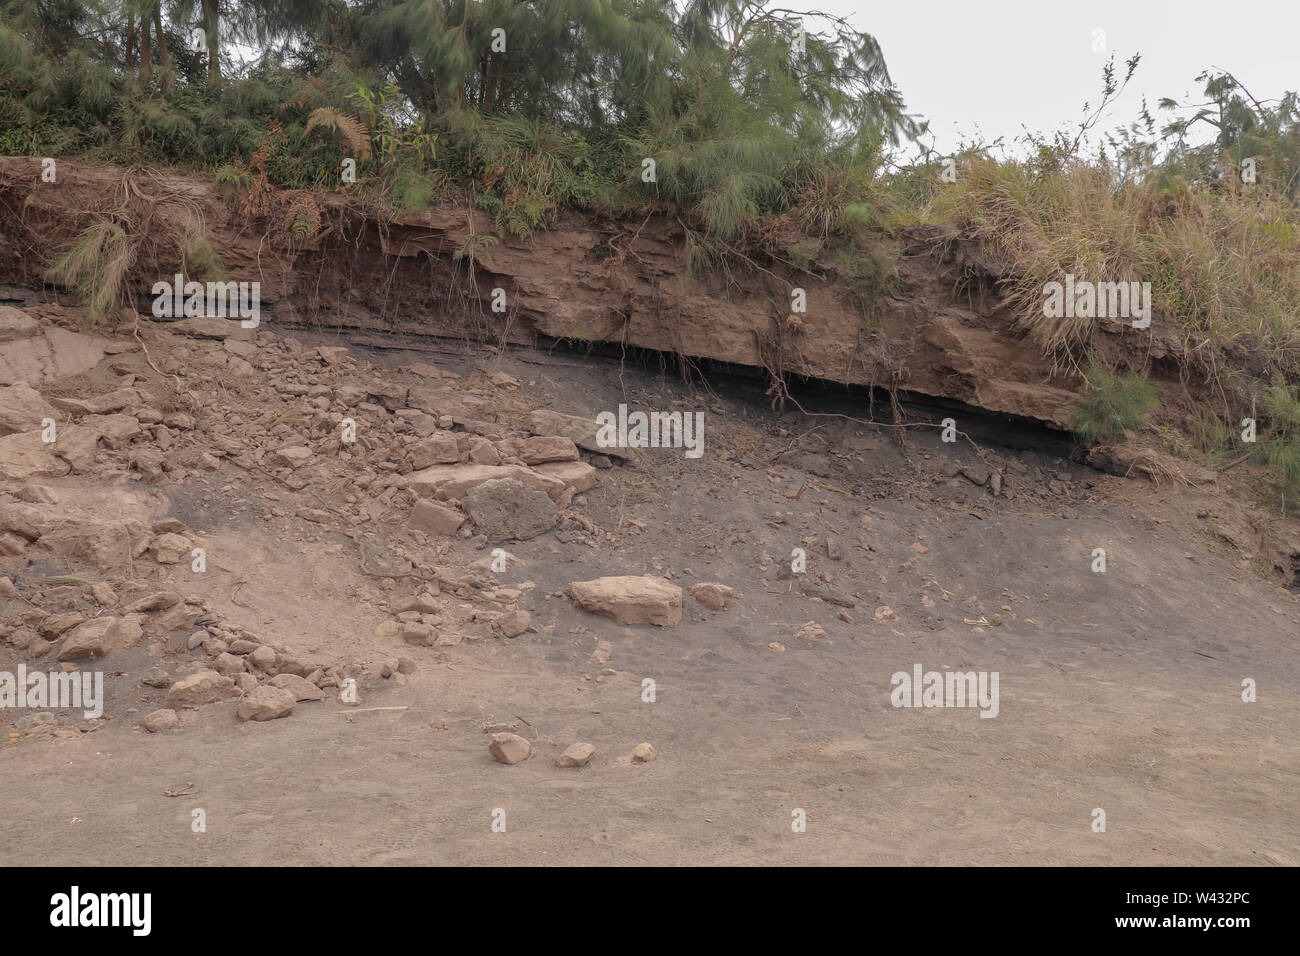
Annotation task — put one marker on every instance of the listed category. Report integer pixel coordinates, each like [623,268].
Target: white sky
[985,68]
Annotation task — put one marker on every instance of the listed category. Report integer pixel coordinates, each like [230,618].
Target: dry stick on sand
[135,330]
[1234,464]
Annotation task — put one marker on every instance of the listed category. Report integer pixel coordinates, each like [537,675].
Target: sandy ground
[1120,691]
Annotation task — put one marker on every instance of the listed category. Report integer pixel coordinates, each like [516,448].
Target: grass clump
[870,276]
[1279,446]
[1114,403]
[96,266]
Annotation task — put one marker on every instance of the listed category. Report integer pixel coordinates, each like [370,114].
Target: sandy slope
[1119,691]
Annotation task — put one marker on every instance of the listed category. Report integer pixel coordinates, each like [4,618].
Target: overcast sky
[988,68]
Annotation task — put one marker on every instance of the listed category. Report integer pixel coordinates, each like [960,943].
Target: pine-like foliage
[1114,402]
[527,106]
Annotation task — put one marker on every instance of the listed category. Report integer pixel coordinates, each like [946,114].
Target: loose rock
[435,519]
[509,748]
[301,688]
[160,720]
[576,755]
[514,623]
[629,599]
[170,548]
[811,631]
[711,595]
[504,510]
[265,702]
[205,687]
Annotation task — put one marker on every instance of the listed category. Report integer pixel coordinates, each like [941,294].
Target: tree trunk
[130,45]
[458,97]
[146,54]
[503,75]
[212,25]
[493,81]
[164,58]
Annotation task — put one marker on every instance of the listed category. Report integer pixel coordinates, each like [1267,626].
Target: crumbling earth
[330,589]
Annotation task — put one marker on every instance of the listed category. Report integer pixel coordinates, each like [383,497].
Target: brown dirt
[368,269]
[1119,690]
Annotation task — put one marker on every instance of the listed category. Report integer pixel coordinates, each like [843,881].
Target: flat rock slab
[581,431]
[539,450]
[446,482]
[202,327]
[35,354]
[576,475]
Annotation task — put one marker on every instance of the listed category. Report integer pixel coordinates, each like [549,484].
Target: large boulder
[115,431]
[16,324]
[576,755]
[204,327]
[291,456]
[100,635]
[505,510]
[24,519]
[160,720]
[631,599]
[79,444]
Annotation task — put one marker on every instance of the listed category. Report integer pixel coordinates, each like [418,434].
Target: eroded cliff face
[942,331]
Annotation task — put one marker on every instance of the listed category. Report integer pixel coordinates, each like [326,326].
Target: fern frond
[353,132]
